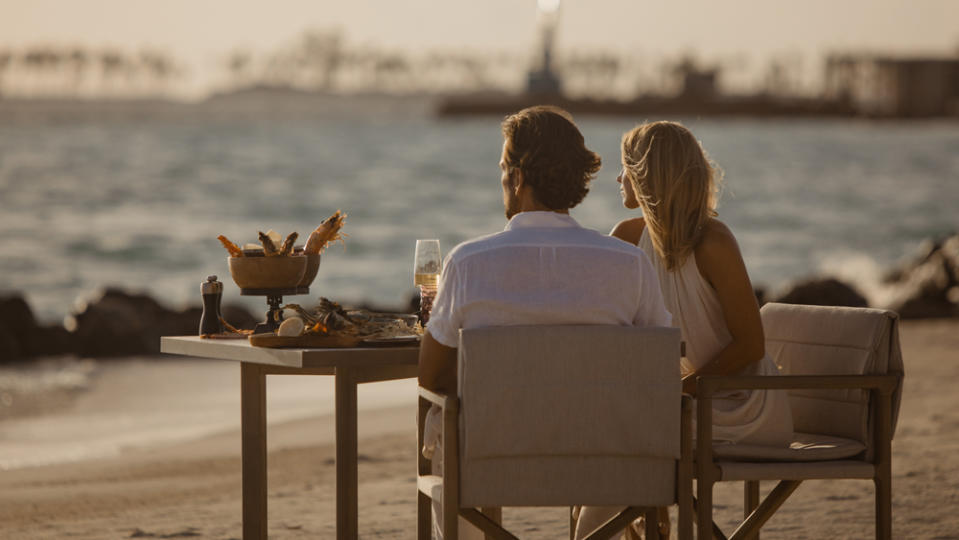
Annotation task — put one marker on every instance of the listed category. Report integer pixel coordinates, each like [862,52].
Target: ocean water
[135,195]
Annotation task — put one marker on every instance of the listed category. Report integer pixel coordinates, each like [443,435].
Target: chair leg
[495,513]
[684,521]
[750,501]
[424,517]
[616,523]
[766,509]
[717,532]
[883,506]
[652,523]
[883,478]
[451,479]
[684,473]
[704,508]
[572,523]
[450,520]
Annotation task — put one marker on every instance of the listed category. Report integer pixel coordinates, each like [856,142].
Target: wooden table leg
[253,428]
[347,508]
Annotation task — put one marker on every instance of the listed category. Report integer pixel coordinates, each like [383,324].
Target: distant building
[697,83]
[894,87]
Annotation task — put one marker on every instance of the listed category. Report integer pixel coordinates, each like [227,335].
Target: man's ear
[516,180]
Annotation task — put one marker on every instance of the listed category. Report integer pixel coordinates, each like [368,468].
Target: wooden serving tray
[306,341]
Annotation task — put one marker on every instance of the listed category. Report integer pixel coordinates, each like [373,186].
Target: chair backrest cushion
[821,340]
[569,391]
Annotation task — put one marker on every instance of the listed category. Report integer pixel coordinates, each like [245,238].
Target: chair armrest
[708,385]
[442,400]
[450,407]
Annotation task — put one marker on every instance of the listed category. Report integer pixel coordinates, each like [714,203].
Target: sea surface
[134,195]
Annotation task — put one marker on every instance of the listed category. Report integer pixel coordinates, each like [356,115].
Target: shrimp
[328,231]
[269,248]
[287,248]
[234,250]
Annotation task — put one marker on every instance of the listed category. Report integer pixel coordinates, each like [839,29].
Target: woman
[667,174]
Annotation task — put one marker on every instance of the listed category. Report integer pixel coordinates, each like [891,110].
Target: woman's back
[693,304]
[757,417]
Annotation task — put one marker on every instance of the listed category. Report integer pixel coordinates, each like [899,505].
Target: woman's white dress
[754,417]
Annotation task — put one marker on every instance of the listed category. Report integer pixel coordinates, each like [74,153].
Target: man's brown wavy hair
[547,147]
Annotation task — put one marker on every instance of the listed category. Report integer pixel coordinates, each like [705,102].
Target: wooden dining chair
[843,370]
[561,416]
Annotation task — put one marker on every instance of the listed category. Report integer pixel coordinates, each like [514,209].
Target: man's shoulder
[612,242]
[589,238]
[476,245]
[579,237]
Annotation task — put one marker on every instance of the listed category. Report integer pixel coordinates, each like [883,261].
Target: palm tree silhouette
[6,58]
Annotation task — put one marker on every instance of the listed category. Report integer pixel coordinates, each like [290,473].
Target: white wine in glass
[430,281]
[426,273]
[427,263]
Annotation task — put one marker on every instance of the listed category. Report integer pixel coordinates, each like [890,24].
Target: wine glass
[426,272]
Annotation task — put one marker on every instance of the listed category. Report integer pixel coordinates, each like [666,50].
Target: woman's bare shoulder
[717,239]
[717,250]
[629,230]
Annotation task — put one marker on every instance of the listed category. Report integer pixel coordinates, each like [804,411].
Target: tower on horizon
[541,79]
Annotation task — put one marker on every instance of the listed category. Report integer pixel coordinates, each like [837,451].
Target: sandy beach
[192,488]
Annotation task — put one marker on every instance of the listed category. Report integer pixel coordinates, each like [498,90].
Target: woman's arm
[720,262]
[629,230]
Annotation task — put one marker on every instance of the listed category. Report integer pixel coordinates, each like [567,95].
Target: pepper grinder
[212,292]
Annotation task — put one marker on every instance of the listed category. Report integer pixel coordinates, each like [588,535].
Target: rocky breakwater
[113,322]
[21,336]
[926,285]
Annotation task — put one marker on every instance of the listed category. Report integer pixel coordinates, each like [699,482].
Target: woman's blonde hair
[676,184]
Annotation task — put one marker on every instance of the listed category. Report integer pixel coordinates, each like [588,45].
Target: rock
[15,314]
[237,315]
[823,292]
[21,337]
[50,341]
[118,323]
[760,293]
[928,285]
[9,347]
[122,323]
[16,325]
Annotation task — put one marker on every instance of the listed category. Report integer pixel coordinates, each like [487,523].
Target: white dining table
[349,367]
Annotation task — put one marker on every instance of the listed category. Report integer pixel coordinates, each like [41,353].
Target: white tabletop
[240,350]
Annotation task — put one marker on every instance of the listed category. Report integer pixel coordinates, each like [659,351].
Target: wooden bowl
[312,267]
[267,272]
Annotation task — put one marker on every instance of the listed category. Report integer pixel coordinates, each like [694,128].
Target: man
[544,268]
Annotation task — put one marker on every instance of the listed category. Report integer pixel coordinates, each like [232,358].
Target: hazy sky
[201,31]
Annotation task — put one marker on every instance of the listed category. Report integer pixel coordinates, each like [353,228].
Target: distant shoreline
[494,104]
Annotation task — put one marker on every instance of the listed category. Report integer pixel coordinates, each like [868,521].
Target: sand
[192,489]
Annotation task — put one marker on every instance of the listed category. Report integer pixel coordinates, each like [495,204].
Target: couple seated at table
[675,266]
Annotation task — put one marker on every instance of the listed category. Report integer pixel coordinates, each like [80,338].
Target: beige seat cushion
[800,470]
[805,447]
[820,340]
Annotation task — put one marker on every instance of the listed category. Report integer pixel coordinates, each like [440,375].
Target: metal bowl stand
[274,298]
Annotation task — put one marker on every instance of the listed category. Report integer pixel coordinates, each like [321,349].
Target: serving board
[304,342]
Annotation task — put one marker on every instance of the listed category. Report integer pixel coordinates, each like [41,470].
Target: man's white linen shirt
[545,269]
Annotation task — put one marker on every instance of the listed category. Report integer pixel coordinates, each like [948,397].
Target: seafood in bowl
[267,272]
[280,265]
